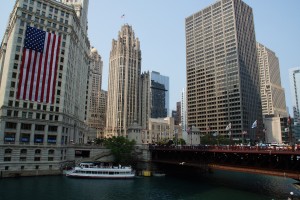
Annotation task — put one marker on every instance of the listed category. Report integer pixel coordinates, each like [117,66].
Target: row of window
[24,151]
[23,167]
[30,115]
[24,126]
[8,159]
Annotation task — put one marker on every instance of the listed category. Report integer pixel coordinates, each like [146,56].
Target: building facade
[159,91]
[154,98]
[42,84]
[103,108]
[294,74]
[161,130]
[123,83]
[183,119]
[222,70]
[93,112]
[272,94]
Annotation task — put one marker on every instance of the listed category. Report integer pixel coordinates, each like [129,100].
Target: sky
[160,27]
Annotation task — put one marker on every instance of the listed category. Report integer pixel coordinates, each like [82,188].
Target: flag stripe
[38,70]
[28,61]
[36,73]
[46,65]
[55,69]
[50,68]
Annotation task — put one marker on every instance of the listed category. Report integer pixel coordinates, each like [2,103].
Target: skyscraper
[222,70]
[154,94]
[294,74]
[43,72]
[272,94]
[93,102]
[123,82]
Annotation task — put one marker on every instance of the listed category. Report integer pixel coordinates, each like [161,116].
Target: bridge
[276,161]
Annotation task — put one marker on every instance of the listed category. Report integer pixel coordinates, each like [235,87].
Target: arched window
[51,152]
[8,150]
[38,151]
[23,151]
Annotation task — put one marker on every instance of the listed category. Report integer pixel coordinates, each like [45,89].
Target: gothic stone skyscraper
[123,83]
[222,70]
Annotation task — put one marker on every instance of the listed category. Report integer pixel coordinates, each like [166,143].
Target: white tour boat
[99,170]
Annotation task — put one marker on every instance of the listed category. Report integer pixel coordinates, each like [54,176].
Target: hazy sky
[160,27]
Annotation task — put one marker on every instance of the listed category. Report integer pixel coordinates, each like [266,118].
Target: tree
[99,141]
[214,140]
[121,148]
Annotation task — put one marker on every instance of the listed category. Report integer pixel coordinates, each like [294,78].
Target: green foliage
[181,141]
[99,141]
[121,148]
[214,140]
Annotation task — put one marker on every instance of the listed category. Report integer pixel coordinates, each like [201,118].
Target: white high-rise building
[272,94]
[44,62]
[183,115]
[294,74]
[123,83]
[222,70]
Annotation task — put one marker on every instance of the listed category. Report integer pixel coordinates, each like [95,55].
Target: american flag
[38,70]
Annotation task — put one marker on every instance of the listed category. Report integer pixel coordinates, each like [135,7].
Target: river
[219,185]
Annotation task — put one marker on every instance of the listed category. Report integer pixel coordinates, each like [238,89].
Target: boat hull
[90,170]
[100,177]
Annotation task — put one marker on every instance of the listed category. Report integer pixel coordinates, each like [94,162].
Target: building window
[23,159]
[25,137]
[9,112]
[24,114]
[8,151]
[30,115]
[7,159]
[51,152]
[52,128]
[37,158]
[37,151]
[38,138]
[11,125]
[25,126]
[6,168]
[10,103]
[52,139]
[22,167]
[9,137]
[39,127]
[23,151]
[50,158]
[16,113]
[36,167]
